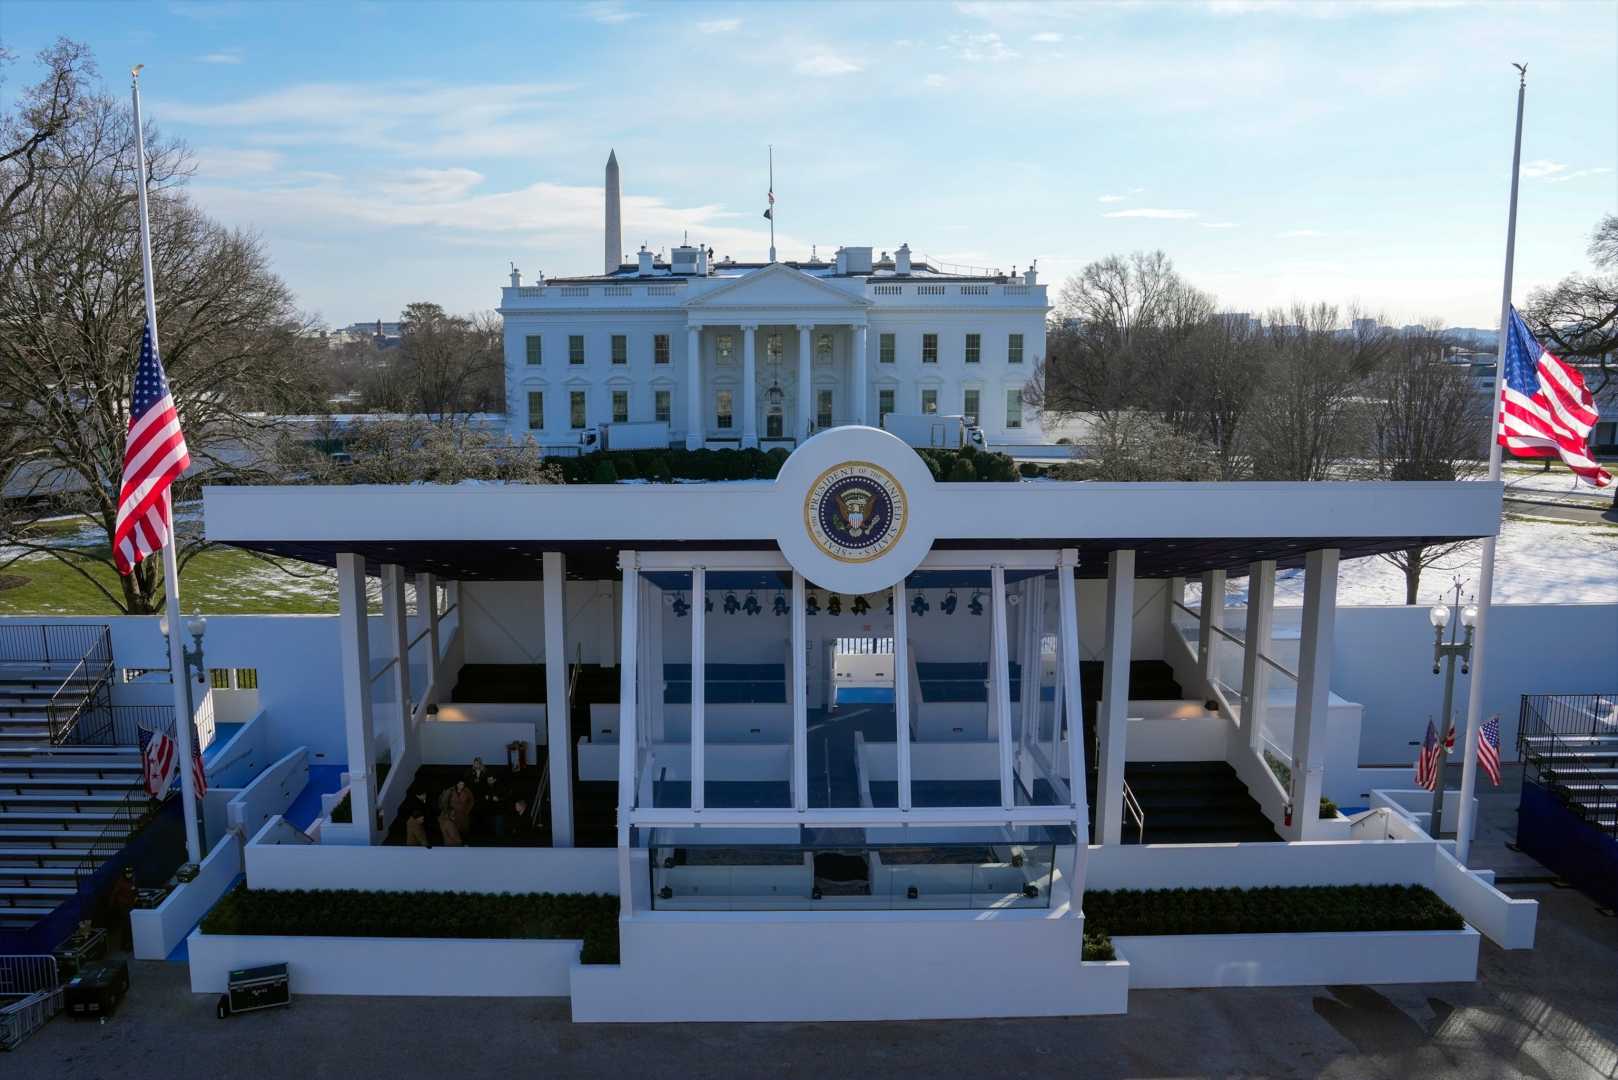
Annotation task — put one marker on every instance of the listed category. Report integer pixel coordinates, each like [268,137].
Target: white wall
[409,869]
[158,931]
[270,793]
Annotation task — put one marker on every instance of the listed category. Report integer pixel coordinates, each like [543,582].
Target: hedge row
[360,913]
[1273,910]
[1098,945]
[666,466]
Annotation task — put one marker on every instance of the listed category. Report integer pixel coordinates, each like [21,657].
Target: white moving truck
[636,435]
[934,431]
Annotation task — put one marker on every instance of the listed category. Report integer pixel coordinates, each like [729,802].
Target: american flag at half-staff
[154,457]
[157,761]
[1545,408]
[1427,763]
[1489,749]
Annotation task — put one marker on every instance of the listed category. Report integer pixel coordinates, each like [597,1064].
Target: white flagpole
[1465,821]
[178,674]
[772,204]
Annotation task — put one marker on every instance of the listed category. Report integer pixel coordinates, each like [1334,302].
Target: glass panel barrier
[747,684]
[664,674]
[853,732]
[955,755]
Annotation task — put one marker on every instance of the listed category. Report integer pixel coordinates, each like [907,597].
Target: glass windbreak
[1034,631]
[853,738]
[664,676]
[747,689]
[971,869]
[953,662]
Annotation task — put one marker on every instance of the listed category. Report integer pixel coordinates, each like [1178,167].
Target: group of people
[480,807]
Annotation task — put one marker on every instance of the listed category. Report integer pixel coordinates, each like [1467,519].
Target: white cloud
[610,12]
[223,163]
[1542,168]
[935,80]
[223,56]
[987,47]
[826,64]
[1111,198]
[1577,174]
[1155,213]
[1299,234]
[718,26]
[1217,224]
[431,185]
[1047,37]
[1327,9]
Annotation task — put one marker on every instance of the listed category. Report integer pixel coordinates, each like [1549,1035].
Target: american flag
[199,772]
[1489,749]
[154,458]
[1545,408]
[1427,763]
[157,761]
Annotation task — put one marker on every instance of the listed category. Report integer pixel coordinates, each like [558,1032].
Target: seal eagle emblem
[855,512]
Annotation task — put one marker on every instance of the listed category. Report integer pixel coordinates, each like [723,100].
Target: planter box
[408,967]
[1172,961]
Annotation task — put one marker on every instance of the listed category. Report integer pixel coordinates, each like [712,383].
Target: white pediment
[774,288]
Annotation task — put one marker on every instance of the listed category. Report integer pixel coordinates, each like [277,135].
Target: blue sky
[1353,152]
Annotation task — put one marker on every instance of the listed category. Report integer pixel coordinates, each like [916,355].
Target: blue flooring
[323,780]
[181,953]
[865,695]
[223,733]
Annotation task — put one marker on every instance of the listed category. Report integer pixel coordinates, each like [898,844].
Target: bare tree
[1138,446]
[71,316]
[414,450]
[1308,416]
[32,141]
[1430,425]
[445,366]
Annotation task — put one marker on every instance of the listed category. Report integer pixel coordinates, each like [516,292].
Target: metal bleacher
[69,795]
[1569,745]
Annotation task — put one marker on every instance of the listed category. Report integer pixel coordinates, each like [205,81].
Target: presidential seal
[855,511]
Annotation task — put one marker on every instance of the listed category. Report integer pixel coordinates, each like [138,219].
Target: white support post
[398,628]
[695,426]
[800,696]
[627,735]
[558,709]
[1314,688]
[1028,702]
[1175,594]
[699,687]
[1210,615]
[427,614]
[1073,706]
[1000,685]
[901,690]
[749,401]
[805,379]
[354,633]
[1112,717]
[1255,672]
[859,375]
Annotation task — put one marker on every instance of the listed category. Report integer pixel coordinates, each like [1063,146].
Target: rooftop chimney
[516,276]
[901,260]
[614,240]
[645,260]
[1031,276]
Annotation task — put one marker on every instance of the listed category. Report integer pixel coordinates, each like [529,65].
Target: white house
[730,354]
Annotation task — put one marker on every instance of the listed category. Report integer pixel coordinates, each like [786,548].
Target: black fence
[1569,714]
[56,644]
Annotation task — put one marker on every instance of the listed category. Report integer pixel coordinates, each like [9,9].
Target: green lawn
[221,580]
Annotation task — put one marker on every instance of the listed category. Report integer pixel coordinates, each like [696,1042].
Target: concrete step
[42,856]
[11,786]
[54,837]
[26,876]
[22,916]
[63,819]
[17,771]
[30,895]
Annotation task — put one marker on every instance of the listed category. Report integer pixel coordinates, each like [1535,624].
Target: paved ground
[1550,1013]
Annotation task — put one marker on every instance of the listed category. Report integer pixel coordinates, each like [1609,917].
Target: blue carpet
[323,780]
[181,954]
[223,733]
[865,695]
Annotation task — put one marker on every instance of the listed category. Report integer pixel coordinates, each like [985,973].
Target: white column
[749,385]
[699,687]
[806,390]
[1175,595]
[695,425]
[558,709]
[1314,688]
[857,399]
[354,643]
[1112,715]
[398,628]
[1255,672]
[427,615]
[1073,706]
[1000,685]
[901,688]
[1211,614]
[627,737]
[800,696]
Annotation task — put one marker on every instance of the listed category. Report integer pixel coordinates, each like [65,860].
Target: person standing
[121,903]
[416,820]
[461,801]
[493,804]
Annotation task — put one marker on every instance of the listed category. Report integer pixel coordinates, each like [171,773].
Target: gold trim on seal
[897,496]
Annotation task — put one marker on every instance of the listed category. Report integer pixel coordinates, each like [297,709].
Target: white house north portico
[727,353]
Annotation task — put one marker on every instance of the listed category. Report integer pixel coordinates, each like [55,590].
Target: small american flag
[1427,763]
[154,458]
[199,772]
[157,761]
[1489,749]
[1545,408]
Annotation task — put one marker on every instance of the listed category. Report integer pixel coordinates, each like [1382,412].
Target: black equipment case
[259,988]
[96,990]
